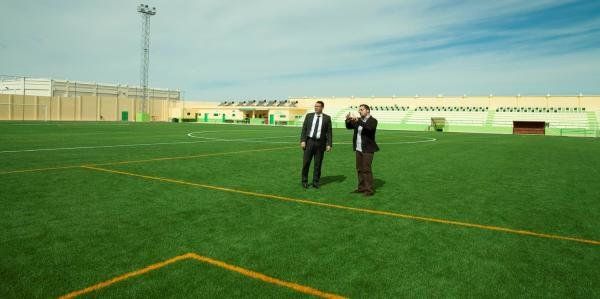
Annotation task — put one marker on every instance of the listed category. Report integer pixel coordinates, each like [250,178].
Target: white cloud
[241,49]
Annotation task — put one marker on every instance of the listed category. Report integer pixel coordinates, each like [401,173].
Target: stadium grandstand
[575,115]
[63,100]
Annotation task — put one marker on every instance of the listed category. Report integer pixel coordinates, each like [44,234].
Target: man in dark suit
[316,138]
[365,147]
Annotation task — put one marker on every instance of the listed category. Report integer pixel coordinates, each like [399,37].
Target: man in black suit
[316,138]
[365,147]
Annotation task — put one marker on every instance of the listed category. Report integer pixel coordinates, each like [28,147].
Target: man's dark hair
[366,107]
[322,104]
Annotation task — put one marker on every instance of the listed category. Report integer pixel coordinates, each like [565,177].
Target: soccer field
[192,210]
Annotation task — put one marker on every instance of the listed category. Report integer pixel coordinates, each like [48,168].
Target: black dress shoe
[316,186]
[305,185]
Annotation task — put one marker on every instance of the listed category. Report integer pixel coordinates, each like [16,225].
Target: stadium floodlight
[146,12]
[143,8]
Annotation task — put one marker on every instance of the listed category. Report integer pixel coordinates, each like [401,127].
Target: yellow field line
[368,211]
[125,276]
[265,278]
[147,160]
[197,257]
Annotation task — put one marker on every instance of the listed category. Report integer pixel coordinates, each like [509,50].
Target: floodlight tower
[146,12]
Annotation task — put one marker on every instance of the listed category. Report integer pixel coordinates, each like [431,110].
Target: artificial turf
[66,229]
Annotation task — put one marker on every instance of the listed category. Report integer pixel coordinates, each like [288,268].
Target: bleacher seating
[385,108]
[452,109]
[505,117]
[541,109]
[472,116]
[389,116]
[453,115]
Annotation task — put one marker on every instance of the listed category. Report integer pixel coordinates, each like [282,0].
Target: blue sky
[218,50]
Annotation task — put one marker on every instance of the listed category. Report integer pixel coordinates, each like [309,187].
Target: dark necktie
[315,129]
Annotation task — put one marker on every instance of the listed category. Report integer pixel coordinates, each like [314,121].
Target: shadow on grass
[332,179]
[377,183]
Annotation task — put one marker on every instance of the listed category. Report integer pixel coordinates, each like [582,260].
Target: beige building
[254,111]
[63,100]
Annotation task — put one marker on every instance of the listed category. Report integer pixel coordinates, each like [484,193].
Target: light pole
[146,12]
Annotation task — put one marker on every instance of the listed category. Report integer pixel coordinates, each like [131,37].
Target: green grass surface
[66,229]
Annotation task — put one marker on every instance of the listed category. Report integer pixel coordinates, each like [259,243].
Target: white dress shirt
[358,137]
[314,123]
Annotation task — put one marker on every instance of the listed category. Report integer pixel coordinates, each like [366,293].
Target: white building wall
[65,88]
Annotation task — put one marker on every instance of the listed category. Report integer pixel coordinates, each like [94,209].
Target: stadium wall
[64,88]
[80,108]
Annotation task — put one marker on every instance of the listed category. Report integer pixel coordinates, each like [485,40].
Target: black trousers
[314,148]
